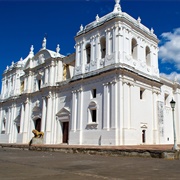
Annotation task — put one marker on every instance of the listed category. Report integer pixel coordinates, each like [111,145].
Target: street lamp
[173,103]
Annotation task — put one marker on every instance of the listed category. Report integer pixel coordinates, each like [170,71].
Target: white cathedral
[109,92]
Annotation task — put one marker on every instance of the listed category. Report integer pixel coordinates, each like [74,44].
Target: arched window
[103,47]
[39,81]
[92,112]
[148,60]
[134,48]
[88,53]
[22,87]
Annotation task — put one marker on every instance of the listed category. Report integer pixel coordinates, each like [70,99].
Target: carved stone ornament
[41,59]
[78,68]
[101,62]
[128,57]
[109,57]
[93,63]
[87,67]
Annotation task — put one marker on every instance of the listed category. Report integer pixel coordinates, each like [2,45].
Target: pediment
[40,58]
[63,112]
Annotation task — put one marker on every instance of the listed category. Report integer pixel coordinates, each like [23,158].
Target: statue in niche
[64,71]
[41,59]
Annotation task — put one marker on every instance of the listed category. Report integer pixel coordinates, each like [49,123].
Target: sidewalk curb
[108,151]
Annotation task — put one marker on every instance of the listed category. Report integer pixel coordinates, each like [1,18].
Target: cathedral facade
[109,92]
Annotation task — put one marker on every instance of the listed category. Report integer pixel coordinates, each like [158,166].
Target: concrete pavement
[17,164]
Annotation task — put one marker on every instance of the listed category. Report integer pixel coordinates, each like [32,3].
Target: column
[47,75]
[77,55]
[115,42]
[29,81]
[155,123]
[60,71]
[79,109]
[82,56]
[81,115]
[74,111]
[113,103]
[52,73]
[11,124]
[13,128]
[98,50]
[92,49]
[22,118]
[120,111]
[53,111]
[26,115]
[107,41]
[9,120]
[48,118]
[43,122]
[106,102]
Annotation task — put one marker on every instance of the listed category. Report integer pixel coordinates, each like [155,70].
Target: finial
[152,30]
[57,49]
[21,59]
[31,50]
[117,7]
[97,18]
[12,63]
[81,27]
[44,43]
[139,20]
[7,67]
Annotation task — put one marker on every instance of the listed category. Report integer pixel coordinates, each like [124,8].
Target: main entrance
[38,124]
[65,132]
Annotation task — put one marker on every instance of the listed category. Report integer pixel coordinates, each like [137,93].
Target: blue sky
[24,23]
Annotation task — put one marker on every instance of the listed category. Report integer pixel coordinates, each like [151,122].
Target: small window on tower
[94,93]
[166,99]
[39,84]
[141,93]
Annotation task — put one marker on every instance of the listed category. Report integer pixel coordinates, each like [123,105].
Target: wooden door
[143,136]
[38,125]
[65,132]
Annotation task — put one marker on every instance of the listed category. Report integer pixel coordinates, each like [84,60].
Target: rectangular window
[3,127]
[18,128]
[166,99]
[39,84]
[93,115]
[141,93]
[94,93]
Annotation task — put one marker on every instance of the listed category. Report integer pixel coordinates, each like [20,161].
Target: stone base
[36,141]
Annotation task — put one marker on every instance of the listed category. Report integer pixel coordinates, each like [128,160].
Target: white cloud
[169,50]
[174,76]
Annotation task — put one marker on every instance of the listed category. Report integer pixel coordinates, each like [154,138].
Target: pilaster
[106,108]
[74,111]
